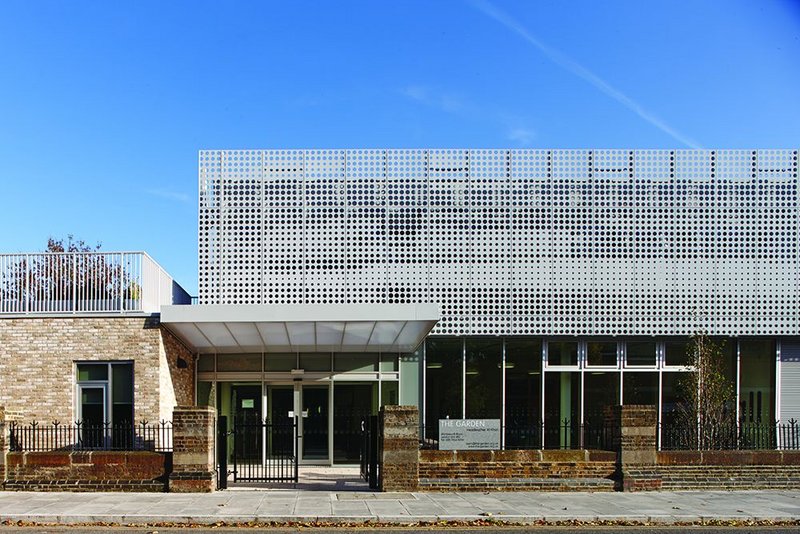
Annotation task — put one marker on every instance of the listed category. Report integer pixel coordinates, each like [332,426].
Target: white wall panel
[573,242]
[241,212]
[208,226]
[531,221]
[653,240]
[490,241]
[790,381]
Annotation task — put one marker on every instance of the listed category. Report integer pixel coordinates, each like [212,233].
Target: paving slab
[403,507]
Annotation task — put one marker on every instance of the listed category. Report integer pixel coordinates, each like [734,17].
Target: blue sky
[104,105]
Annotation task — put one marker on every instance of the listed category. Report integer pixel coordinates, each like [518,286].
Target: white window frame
[108,408]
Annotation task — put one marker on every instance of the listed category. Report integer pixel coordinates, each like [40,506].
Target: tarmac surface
[336,495]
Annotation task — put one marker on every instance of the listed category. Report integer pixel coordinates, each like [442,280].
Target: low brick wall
[726,470]
[87,471]
[728,458]
[729,469]
[580,470]
[634,466]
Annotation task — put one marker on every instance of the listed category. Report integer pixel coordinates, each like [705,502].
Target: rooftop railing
[55,283]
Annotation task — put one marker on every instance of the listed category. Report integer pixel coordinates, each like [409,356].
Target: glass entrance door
[280,415]
[246,404]
[280,403]
[92,415]
[314,400]
[352,403]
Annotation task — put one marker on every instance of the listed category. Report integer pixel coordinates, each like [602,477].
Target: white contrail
[579,70]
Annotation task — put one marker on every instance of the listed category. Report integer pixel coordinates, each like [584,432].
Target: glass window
[640,353]
[640,388]
[315,361]
[389,392]
[601,389]
[205,364]
[410,378]
[280,361]
[205,393]
[239,362]
[484,377]
[363,362]
[562,394]
[122,393]
[443,375]
[388,362]
[672,434]
[562,353]
[676,353]
[523,393]
[757,380]
[727,347]
[92,371]
[729,358]
[105,395]
[601,353]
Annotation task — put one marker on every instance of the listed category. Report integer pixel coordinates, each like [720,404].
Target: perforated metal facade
[545,242]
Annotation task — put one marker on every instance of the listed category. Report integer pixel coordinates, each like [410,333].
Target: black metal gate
[370,470]
[262,450]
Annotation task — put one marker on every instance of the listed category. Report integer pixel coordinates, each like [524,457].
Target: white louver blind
[790,381]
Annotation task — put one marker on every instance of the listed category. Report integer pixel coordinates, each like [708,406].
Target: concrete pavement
[243,506]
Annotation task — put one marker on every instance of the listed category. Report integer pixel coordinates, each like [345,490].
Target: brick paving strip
[291,507]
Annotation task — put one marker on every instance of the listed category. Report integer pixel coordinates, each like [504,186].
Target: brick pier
[194,467]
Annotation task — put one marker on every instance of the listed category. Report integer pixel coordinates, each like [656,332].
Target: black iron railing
[552,434]
[369,463]
[730,436]
[81,436]
[264,450]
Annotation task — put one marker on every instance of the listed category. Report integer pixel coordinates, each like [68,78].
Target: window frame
[656,355]
[107,384]
[602,367]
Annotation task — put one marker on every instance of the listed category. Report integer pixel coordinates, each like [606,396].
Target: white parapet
[63,283]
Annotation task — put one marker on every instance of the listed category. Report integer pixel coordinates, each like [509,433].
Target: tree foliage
[707,415]
[70,244]
[69,271]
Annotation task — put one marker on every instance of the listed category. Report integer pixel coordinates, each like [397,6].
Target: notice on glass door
[469,434]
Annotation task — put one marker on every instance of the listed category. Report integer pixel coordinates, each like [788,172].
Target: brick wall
[569,470]
[177,382]
[193,462]
[399,443]
[634,433]
[729,469]
[86,471]
[37,358]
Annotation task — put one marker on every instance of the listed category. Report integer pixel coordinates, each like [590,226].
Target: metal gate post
[373,452]
[222,451]
[296,452]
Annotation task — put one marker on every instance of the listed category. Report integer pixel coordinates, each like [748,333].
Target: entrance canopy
[237,328]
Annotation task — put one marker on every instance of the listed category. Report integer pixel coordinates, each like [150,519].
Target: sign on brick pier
[469,434]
